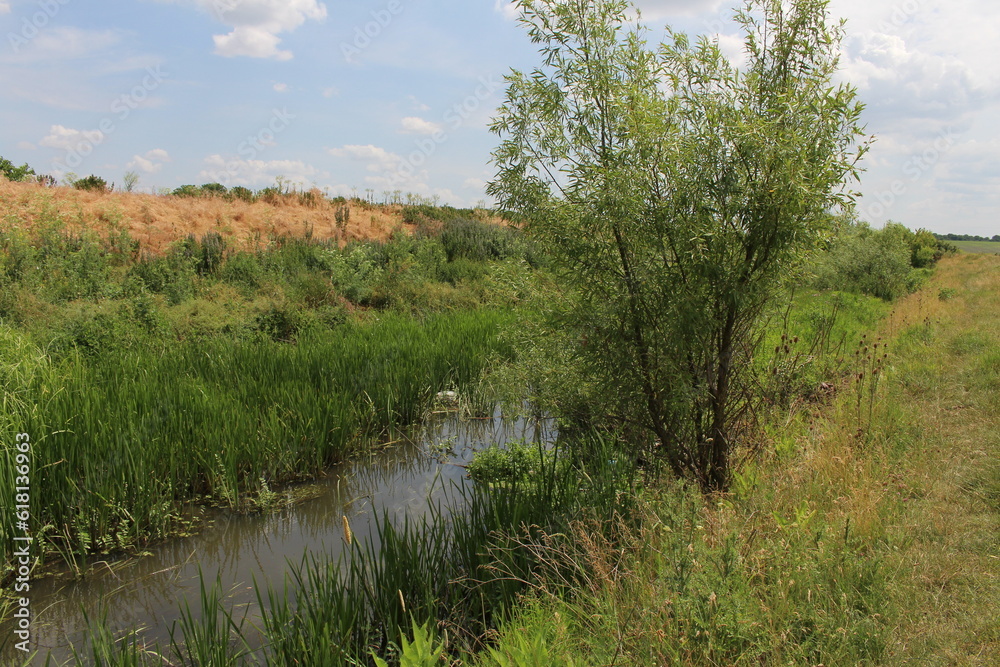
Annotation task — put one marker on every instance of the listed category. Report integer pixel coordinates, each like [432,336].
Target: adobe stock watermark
[365,35]
[253,145]
[32,26]
[453,119]
[222,7]
[913,170]
[22,542]
[901,13]
[121,108]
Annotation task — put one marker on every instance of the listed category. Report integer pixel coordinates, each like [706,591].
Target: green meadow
[990,247]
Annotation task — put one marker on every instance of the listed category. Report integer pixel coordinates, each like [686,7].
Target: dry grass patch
[157,221]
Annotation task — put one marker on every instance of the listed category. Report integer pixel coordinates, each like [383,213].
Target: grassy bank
[211,372]
[120,441]
[567,529]
[868,535]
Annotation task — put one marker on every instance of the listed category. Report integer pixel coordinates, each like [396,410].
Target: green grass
[990,247]
[212,373]
[854,541]
[121,441]
[459,573]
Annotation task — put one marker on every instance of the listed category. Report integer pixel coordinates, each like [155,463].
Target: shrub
[242,270]
[171,275]
[867,261]
[242,193]
[357,271]
[462,270]
[281,323]
[92,183]
[213,246]
[186,191]
[16,174]
[213,189]
[479,241]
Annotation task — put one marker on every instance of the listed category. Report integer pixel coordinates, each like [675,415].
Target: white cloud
[417,104]
[151,162]
[386,169]
[415,125]
[63,44]
[257,24]
[66,138]
[281,87]
[652,10]
[368,153]
[4,8]
[330,91]
[255,173]
[25,146]
[506,8]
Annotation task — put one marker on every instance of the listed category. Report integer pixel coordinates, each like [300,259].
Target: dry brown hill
[158,220]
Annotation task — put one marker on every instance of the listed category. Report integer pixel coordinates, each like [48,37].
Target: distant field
[990,247]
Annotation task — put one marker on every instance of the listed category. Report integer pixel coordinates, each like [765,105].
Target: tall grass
[120,441]
[460,569]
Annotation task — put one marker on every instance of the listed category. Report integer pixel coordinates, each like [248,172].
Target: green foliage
[13,173]
[129,180]
[242,193]
[358,271]
[172,275]
[91,183]
[421,652]
[510,464]
[186,191]
[886,263]
[213,189]
[416,214]
[674,193]
[867,261]
[214,416]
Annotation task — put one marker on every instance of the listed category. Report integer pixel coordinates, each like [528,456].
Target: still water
[402,478]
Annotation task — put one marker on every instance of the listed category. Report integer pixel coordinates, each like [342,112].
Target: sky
[370,98]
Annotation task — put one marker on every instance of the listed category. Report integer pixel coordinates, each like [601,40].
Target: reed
[121,441]
[460,569]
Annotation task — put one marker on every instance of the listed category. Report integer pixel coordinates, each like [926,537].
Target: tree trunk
[715,474]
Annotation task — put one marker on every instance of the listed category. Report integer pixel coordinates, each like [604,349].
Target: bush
[242,270]
[186,191]
[357,271]
[213,189]
[867,261]
[171,275]
[213,246]
[242,193]
[462,270]
[282,323]
[15,174]
[91,183]
[480,241]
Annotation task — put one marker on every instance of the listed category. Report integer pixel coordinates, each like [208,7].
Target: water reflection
[403,478]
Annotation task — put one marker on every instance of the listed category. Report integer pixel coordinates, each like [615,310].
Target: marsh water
[402,478]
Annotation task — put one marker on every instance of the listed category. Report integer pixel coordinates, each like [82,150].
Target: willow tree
[676,193]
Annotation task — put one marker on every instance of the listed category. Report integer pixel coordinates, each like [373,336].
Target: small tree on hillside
[13,173]
[676,194]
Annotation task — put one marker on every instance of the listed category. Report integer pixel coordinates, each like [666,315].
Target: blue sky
[397,94]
